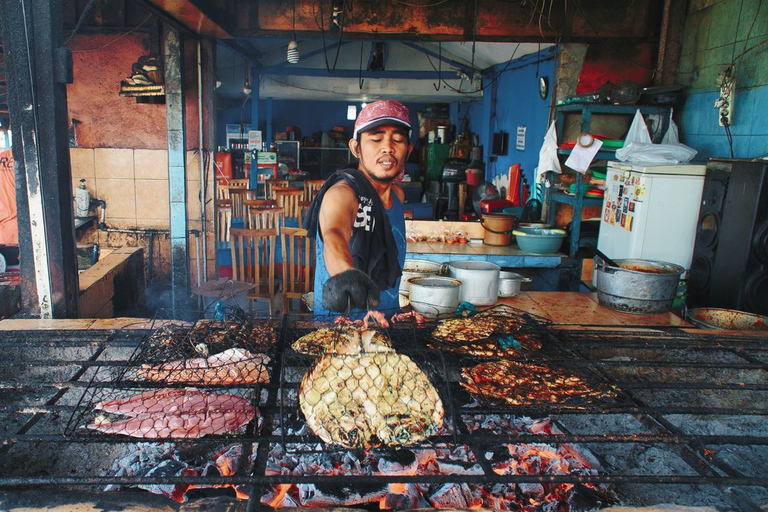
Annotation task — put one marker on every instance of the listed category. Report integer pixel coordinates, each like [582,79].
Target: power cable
[342,17]
[115,39]
[80,21]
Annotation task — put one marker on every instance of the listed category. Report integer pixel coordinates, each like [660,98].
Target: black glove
[351,288]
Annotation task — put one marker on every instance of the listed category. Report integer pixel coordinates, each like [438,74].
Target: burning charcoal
[458,467]
[590,497]
[530,489]
[399,462]
[403,497]
[454,496]
[279,497]
[330,495]
[167,469]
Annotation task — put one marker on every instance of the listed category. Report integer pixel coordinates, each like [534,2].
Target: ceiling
[418,72]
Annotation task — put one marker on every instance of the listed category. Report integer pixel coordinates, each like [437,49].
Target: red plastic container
[475,177]
[494,205]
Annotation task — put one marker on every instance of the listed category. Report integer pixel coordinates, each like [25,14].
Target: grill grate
[682,417]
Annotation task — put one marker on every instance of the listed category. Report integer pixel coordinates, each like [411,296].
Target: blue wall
[712,38]
[515,101]
[309,116]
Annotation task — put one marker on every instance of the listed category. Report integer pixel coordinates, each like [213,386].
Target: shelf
[603,154]
[563,198]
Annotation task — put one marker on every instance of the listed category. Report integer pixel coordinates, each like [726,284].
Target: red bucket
[475,176]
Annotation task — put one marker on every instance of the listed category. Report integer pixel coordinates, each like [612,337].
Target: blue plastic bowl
[539,240]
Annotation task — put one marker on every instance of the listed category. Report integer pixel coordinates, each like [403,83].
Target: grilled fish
[174,413]
[232,366]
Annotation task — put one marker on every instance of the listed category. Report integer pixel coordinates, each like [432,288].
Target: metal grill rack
[687,423]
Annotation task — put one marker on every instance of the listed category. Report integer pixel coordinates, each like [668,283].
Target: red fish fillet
[233,366]
[175,413]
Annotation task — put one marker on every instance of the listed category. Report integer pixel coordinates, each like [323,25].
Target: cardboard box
[281,136]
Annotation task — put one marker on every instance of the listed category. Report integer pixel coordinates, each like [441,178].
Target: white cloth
[548,160]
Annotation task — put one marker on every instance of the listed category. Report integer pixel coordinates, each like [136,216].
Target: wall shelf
[577,199]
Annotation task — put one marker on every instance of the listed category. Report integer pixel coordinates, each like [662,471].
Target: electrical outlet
[724,102]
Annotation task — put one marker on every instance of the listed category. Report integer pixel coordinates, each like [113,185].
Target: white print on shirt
[364,218]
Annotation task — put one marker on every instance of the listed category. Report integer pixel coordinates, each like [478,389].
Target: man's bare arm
[337,216]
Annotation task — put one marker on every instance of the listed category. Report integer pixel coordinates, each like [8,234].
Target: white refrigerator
[651,212]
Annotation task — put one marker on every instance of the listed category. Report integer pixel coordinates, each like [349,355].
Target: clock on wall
[543,87]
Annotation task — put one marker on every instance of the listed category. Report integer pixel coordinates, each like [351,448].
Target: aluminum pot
[729,319]
[417,268]
[479,281]
[637,286]
[434,296]
[510,283]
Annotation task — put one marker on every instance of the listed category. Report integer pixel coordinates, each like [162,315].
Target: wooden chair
[253,261]
[266,218]
[222,191]
[223,220]
[298,254]
[238,197]
[271,185]
[311,188]
[288,198]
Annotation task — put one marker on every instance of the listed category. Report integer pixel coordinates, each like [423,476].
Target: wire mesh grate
[184,380]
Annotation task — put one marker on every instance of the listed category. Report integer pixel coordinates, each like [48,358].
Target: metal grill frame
[592,350]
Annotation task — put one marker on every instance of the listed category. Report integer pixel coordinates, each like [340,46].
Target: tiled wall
[715,33]
[134,185]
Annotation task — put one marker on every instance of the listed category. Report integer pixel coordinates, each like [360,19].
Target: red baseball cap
[381,113]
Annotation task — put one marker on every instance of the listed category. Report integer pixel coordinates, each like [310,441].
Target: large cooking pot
[729,319]
[510,283]
[434,296]
[637,286]
[479,281]
[417,268]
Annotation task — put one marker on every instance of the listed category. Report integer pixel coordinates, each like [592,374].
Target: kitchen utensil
[417,268]
[434,296]
[497,228]
[510,283]
[539,241]
[605,258]
[637,286]
[479,281]
[728,319]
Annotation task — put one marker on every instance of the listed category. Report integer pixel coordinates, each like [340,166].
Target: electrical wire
[80,21]
[115,39]
[341,34]
[310,89]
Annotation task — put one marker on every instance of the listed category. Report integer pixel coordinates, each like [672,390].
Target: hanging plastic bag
[638,152]
[548,160]
[672,136]
[638,131]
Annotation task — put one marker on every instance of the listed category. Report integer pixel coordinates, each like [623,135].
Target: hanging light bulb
[293,51]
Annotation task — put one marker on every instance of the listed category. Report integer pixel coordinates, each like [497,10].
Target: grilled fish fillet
[232,366]
[174,413]
[350,400]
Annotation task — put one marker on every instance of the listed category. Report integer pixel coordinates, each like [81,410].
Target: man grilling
[357,217]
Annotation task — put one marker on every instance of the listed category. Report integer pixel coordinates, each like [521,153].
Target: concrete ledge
[114,285]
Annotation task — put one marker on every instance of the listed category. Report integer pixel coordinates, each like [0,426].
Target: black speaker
[730,260]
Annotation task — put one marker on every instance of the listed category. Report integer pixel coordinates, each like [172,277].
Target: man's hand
[350,289]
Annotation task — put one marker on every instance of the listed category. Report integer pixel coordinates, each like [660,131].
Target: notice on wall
[520,142]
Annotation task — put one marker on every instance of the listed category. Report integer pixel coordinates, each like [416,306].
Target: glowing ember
[505,459]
